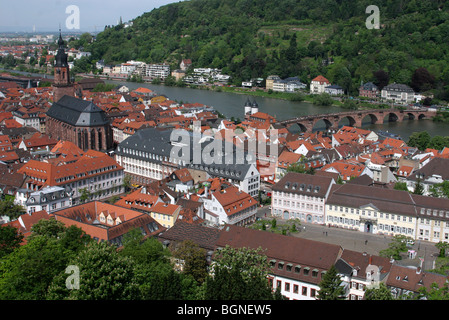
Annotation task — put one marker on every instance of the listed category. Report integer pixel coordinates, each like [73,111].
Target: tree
[47,227]
[300,168]
[419,140]
[330,286]
[419,188]
[422,80]
[10,240]
[194,258]
[103,273]
[442,247]
[27,272]
[397,245]
[239,274]
[440,189]
[127,182]
[434,292]
[400,186]
[144,251]
[10,209]
[381,79]
[162,282]
[323,99]
[85,194]
[379,293]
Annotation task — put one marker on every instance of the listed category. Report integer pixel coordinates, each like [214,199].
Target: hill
[248,38]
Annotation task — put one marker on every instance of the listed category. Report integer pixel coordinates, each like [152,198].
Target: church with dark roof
[71,118]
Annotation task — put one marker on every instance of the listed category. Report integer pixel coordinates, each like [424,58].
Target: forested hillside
[248,38]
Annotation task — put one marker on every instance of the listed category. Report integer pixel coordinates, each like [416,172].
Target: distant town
[99,157]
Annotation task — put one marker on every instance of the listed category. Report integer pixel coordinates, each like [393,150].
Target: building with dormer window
[107,222]
[301,196]
[49,199]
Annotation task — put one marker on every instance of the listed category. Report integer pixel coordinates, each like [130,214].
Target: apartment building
[160,71]
[398,93]
[229,205]
[318,84]
[301,196]
[93,178]
[296,265]
[49,199]
[389,212]
[147,156]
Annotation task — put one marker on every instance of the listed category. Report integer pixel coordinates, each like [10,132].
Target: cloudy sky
[48,15]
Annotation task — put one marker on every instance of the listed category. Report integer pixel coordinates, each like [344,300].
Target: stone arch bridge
[356,117]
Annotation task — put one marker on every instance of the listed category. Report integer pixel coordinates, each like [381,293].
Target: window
[295,288]
[304,291]
[306,271]
[287,287]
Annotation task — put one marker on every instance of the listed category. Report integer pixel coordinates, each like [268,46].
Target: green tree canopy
[103,275]
[10,240]
[379,293]
[330,286]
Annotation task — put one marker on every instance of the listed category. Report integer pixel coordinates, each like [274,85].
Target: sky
[48,15]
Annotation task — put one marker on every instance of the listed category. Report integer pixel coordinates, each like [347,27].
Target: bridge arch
[320,122]
[351,121]
[422,116]
[371,117]
[391,117]
[297,127]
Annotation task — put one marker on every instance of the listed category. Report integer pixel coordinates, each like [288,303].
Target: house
[318,84]
[204,237]
[369,90]
[49,199]
[270,81]
[165,214]
[25,222]
[229,205]
[285,160]
[348,169]
[107,222]
[139,200]
[434,172]
[181,180]
[362,271]
[398,93]
[185,64]
[403,281]
[334,90]
[291,84]
[301,196]
[297,265]
[38,141]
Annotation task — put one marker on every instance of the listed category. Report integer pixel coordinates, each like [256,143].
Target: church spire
[61,56]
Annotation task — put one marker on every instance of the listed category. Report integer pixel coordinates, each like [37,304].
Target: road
[358,241]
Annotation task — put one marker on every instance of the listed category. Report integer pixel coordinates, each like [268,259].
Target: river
[232,105]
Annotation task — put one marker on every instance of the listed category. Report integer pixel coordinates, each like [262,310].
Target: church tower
[62,84]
